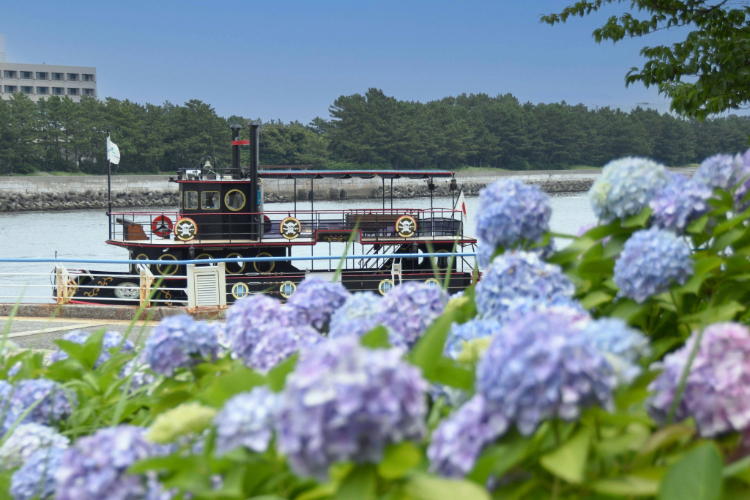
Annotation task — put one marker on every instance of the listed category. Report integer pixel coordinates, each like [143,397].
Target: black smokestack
[253,176]
[235,150]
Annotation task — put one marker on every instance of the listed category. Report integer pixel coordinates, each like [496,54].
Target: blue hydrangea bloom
[485,251]
[742,183]
[717,390]
[95,467]
[512,213]
[621,345]
[279,344]
[559,304]
[111,340]
[678,203]
[719,171]
[25,440]
[519,275]
[36,478]
[344,402]
[56,402]
[459,439]
[139,368]
[356,316]
[626,187]
[541,368]
[180,342]
[651,261]
[252,318]
[246,420]
[466,332]
[408,309]
[316,300]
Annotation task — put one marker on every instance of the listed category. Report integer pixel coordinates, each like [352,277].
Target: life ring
[162,226]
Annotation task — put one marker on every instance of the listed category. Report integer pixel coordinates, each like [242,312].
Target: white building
[43,80]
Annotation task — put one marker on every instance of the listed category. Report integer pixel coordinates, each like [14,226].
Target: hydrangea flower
[459,439]
[36,478]
[460,334]
[512,212]
[246,420]
[540,368]
[621,345]
[111,340]
[626,187]
[95,467]
[742,177]
[719,171]
[316,300]
[356,316]
[650,262]
[56,402]
[519,275]
[678,203]
[717,390]
[25,440]
[139,369]
[278,345]
[485,251]
[408,309]
[184,420]
[344,402]
[180,342]
[253,317]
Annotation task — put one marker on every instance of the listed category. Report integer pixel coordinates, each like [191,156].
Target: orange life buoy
[162,226]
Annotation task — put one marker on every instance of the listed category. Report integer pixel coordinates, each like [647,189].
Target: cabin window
[210,200]
[191,200]
[234,200]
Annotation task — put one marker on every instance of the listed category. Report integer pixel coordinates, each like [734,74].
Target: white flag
[461,205]
[113,152]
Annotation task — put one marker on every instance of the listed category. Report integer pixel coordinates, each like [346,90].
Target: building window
[9,74]
[72,91]
[88,92]
[26,75]
[42,90]
[27,90]
[58,76]
[58,90]
[72,77]
[191,200]
[210,200]
[11,89]
[41,76]
[87,78]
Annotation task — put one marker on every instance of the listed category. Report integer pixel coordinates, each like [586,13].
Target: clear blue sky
[290,59]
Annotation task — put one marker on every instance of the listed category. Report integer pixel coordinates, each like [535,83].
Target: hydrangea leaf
[359,484]
[596,298]
[627,486]
[398,460]
[638,220]
[73,349]
[429,348]
[449,373]
[722,312]
[696,476]
[698,225]
[569,460]
[426,487]
[375,338]
[627,310]
[277,375]
[224,387]
[666,436]
[92,348]
[498,459]
[728,238]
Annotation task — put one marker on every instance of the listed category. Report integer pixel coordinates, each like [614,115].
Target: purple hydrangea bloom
[180,342]
[466,332]
[56,402]
[252,318]
[717,390]
[111,340]
[139,368]
[626,187]
[742,181]
[459,439]
[356,316]
[719,171]
[344,402]
[651,261]
[678,203]
[36,478]
[519,275]
[559,304]
[95,467]
[316,300]
[409,309]
[246,420]
[540,368]
[25,440]
[512,212]
[621,345]
[485,251]
[277,345]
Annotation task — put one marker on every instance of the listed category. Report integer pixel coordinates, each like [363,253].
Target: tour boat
[221,215]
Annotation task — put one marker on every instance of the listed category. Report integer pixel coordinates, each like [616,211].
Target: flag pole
[109,189]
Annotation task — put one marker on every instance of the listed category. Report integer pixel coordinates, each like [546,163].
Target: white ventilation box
[207,286]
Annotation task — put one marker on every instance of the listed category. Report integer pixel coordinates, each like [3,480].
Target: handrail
[280,212]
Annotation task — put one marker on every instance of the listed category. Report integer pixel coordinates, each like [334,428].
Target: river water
[81,234]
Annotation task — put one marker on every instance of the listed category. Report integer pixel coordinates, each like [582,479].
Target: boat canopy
[349,174]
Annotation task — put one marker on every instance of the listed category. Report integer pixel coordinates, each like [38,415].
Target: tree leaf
[427,487]
[697,476]
[569,460]
[398,460]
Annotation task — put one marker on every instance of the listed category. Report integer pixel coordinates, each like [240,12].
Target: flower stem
[683,377]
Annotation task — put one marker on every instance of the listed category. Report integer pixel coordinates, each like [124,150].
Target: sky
[290,60]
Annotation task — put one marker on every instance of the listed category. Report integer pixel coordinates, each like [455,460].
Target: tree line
[371,130]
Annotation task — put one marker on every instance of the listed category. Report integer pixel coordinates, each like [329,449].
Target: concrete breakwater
[20,194]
